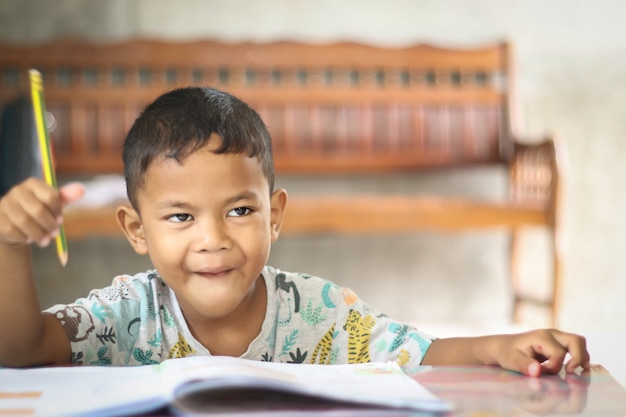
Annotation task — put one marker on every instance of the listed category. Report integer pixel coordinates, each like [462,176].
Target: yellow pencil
[39,109]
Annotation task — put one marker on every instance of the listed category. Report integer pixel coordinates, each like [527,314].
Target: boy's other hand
[31,212]
[543,351]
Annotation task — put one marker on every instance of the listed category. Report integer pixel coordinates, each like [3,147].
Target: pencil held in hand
[39,111]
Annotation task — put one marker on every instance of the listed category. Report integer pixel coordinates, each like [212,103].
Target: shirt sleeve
[366,335]
[334,326]
[104,327]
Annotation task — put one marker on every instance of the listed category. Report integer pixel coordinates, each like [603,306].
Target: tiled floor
[606,347]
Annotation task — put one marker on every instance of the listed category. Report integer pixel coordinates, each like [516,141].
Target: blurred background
[570,67]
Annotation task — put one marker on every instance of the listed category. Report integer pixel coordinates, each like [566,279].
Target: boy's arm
[531,353]
[29,213]
[27,336]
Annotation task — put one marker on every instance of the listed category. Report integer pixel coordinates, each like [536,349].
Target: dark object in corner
[19,155]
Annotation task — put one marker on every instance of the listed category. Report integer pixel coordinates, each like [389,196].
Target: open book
[212,386]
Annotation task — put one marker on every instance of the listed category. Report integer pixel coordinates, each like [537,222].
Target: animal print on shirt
[322,352]
[358,329]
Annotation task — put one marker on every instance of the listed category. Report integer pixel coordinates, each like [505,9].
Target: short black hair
[181,121]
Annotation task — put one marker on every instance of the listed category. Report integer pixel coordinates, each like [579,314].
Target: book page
[373,384]
[81,390]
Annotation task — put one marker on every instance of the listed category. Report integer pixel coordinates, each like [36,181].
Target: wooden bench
[331,109]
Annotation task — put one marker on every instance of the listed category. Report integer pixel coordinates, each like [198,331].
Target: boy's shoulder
[278,276]
[149,277]
[137,286]
[280,281]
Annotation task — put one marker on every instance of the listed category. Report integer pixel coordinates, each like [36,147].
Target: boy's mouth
[214,272]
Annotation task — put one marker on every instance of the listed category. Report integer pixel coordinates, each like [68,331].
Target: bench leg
[551,303]
[514,275]
[556,274]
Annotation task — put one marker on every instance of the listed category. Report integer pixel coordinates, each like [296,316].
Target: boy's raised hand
[31,211]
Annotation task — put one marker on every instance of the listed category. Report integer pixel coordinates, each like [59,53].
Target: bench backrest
[342,107]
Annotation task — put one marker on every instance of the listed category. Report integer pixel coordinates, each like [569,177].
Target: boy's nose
[211,236]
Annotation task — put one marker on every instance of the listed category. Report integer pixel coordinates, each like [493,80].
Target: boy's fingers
[577,347]
[533,368]
[30,211]
[9,232]
[71,192]
[525,364]
[550,350]
[19,226]
[37,222]
[552,346]
[44,206]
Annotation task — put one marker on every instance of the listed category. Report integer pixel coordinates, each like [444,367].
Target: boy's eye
[239,211]
[180,217]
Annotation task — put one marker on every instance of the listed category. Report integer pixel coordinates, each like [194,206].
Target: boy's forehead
[214,141]
[180,154]
[207,163]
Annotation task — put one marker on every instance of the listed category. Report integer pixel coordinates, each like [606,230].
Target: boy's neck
[234,336]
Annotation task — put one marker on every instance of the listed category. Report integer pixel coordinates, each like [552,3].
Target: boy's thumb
[71,192]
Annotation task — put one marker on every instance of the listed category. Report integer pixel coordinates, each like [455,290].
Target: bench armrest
[536,173]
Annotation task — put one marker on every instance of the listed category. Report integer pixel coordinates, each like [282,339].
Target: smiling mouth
[216,273]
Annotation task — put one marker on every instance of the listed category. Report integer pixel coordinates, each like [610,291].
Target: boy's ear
[130,222]
[278,203]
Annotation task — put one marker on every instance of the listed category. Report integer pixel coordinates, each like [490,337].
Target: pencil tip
[63,258]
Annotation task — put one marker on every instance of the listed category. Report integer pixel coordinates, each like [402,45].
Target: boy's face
[207,225]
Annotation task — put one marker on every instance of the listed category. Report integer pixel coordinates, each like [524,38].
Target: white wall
[571,68]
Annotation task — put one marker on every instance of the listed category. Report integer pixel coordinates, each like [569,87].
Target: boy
[200,181]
